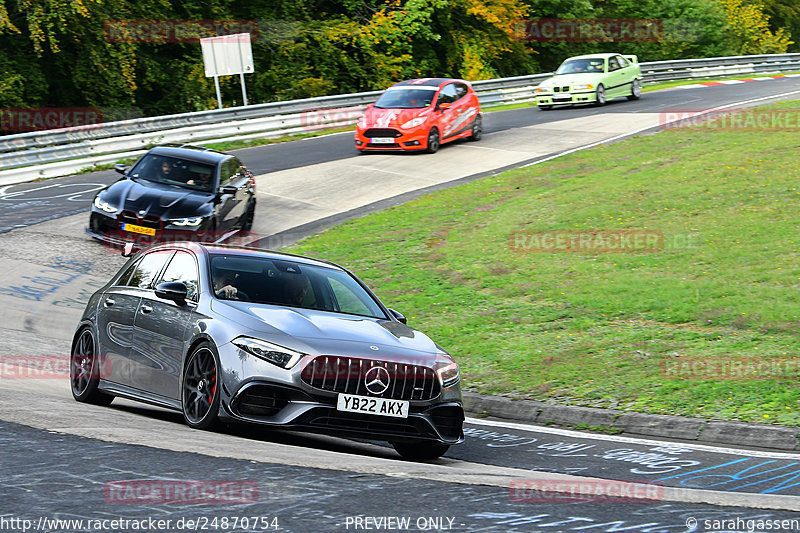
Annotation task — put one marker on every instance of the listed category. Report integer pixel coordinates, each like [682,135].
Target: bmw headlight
[272,353]
[447,369]
[543,89]
[191,221]
[414,122]
[104,206]
[583,87]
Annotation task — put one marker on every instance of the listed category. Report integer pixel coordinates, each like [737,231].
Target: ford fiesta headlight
[414,122]
[104,206]
[583,87]
[447,369]
[192,221]
[362,122]
[272,353]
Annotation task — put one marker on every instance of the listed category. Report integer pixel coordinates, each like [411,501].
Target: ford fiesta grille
[382,132]
[350,375]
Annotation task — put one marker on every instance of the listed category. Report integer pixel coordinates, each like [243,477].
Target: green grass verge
[595,329]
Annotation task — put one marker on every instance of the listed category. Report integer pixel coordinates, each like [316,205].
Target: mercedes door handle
[146,309]
[109,302]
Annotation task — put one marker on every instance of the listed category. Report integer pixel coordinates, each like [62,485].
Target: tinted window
[123,279]
[279,282]
[183,268]
[174,171]
[148,268]
[402,97]
[230,169]
[448,94]
[461,90]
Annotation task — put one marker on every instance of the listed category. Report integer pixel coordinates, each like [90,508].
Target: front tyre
[200,395]
[636,90]
[420,451]
[477,129]
[600,96]
[433,141]
[84,371]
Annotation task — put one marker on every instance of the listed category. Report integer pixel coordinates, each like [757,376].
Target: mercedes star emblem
[377,380]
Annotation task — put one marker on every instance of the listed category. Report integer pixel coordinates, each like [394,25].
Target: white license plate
[382,140]
[372,406]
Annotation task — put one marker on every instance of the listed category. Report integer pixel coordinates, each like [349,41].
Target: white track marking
[628,440]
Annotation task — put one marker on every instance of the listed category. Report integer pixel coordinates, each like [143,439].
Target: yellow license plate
[133,228]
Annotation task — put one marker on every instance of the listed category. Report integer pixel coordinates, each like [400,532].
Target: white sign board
[227,55]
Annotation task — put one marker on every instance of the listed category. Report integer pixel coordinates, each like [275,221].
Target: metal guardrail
[279,118]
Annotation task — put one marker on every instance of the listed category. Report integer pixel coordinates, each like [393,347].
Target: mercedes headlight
[446,369]
[191,221]
[104,206]
[414,122]
[272,353]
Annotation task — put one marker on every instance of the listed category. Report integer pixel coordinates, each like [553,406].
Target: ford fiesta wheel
[421,450]
[84,371]
[477,129]
[200,391]
[433,141]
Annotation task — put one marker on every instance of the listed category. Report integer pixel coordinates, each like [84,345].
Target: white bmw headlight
[104,206]
[414,122]
[583,87]
[192,221]
[272,353]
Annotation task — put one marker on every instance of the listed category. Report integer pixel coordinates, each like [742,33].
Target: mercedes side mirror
[121,168]
[398,315]
[172,290]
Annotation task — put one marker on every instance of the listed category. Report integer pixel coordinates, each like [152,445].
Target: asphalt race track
[63,460]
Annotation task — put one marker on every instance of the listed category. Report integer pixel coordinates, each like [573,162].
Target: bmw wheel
[636,90]
[200,395]
[433,141]
[477,129]
[421,450]
[84,371]
[600,96]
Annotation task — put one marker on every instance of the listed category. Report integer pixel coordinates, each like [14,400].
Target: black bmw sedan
[243,335]
[181,192]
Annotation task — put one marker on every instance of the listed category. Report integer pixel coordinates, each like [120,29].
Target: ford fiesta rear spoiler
[632,59]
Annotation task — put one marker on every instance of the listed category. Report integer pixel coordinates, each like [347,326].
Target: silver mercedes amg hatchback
[236,334]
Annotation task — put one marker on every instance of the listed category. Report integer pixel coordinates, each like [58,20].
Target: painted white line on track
[629,440]
[384,171]
[640,130]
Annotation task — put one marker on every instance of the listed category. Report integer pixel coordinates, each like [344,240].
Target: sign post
[227,55]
